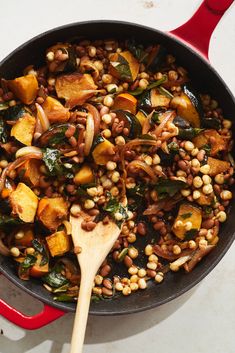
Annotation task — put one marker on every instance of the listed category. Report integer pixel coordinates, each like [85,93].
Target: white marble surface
[202,320]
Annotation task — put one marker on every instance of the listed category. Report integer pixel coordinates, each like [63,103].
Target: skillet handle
[47,315]
[198,29]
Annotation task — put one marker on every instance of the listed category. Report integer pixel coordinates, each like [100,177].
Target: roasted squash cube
[187,213]
[25,88]
[125,101]
[84,176]
[24,203]
[212,137]
[158,99]
[186,109]
[217,166]
[58,243]
[124,66]
[30,171]
[75,88]
[55,111]
[52,211]
[23,130]
[102,152]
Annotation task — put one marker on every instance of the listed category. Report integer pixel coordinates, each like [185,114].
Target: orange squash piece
[38,271]
[217,166]
[55,111]
[23,129]
[30,171]
[187,213]
[186,109]
[84,176]
[125,101]
[212,137]
[127,61]
[24,88]
[75,88]
[58,243]
[24,203]
[52,211]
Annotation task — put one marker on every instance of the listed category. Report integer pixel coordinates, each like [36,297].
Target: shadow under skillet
[100,329]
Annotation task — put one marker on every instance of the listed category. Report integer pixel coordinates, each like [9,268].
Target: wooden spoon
[95,246]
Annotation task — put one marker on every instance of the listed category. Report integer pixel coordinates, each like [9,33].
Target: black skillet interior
[205,79]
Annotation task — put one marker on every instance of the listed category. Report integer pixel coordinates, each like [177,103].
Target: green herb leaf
[28,262]
[54,278]
[154,84]
[3,131]
[186,215]
[207,148]
[165,92]
[61,289]
[64,298]
[51,158]
[41,249]
[122,254]
[207,210]
[114,206]
[190,234]
[123,69]
[15,112]
[137,50]
[173,147]
[189,133]
[168,188]
[157,83]
[7,221]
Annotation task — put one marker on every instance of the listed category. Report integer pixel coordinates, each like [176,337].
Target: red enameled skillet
[194,57]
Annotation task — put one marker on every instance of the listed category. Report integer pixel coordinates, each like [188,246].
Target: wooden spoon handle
[81,314]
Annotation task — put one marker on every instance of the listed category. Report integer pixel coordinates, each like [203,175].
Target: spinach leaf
[113,206]
[168,188]
[64,298]
[54,278]
[82,190]
[186,215]
[3,131]
[28,262]
[15,112]
[154,84]
[51,158]
[173,147]
[207,148]
[138,191]
[7,221]
[211,123]
[137,50]
[123,69]
[190,234]
[41,249]
[157,83]
[190,133]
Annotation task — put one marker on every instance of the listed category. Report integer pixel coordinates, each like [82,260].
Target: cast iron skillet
[205,79]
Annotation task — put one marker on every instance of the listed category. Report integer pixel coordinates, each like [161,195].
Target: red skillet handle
[198,29]
[47,315]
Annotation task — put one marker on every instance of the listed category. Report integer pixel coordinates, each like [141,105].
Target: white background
[202,320]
